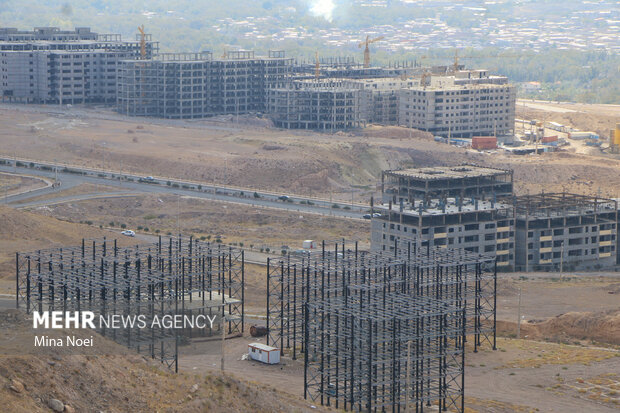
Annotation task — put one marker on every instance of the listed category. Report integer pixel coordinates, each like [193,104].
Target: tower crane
[317,66]
[142,42]
[367,50]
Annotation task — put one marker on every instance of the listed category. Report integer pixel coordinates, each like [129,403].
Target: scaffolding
[174,276]
[432,297]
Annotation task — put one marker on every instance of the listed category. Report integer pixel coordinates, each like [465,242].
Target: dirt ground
[22,231]
[234,223]
[521,376]
[11,184]
[122,382]
[585,117]
[255,156]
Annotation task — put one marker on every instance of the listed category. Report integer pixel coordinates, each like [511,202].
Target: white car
[129,233]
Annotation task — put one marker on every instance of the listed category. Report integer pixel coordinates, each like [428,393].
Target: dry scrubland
[122,383]
[234,223]
[252,155]
[578,314]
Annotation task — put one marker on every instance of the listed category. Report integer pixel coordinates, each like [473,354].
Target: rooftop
[448,172]
[437,207]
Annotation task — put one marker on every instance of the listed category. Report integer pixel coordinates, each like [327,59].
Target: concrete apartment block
[52,66]
[565,231]
[195,85]
[466,104]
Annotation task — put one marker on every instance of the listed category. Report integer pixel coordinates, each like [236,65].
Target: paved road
[73,176]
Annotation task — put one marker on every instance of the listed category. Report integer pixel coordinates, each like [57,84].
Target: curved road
[72,176]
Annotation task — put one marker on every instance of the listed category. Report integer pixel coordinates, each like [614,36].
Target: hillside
[123,383]
[22,231]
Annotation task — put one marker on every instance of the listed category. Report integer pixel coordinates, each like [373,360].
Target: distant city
[530,27]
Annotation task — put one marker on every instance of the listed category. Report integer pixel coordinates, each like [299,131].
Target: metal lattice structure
[446,294]
[174,276]
[379,348]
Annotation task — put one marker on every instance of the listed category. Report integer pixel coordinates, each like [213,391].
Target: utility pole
[178,214]
[519,316]
[562,261]
[408,385]
[223,338]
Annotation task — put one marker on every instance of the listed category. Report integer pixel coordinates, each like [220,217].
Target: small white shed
[264,353]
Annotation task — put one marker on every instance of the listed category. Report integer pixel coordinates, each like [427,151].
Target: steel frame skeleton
[455,279]
[174,276]
[359,350]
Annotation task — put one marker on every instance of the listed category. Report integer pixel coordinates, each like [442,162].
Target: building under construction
[197,85]
[474,208]
[562,231]
[462,104]
[48,65]
[325,105]
[174,276]
[464,181]
[382,331]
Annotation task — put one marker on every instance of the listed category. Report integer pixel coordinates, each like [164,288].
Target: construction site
[435,255]
[83,66]
[475,208]
[196,85]
[175,276]
[382,331]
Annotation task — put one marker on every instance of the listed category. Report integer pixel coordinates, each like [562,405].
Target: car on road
[376,215]
[367,216]
[284,198]
[128,233]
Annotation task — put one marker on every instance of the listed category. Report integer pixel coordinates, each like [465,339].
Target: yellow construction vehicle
[367,50]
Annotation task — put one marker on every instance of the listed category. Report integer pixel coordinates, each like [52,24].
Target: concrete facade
[565,231]
[462,105]
[53,66]
[477,226]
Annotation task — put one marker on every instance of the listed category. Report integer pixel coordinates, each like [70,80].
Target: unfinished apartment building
[48,65]
[465,181]
[196,85]
[485,227]
[562,231]
[380,99]
[447,207]
[325,105]
[466,104]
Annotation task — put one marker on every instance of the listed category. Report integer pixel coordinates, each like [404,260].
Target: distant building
[531,87]
[197,85]
[325,105]
[468,103]
[48,65]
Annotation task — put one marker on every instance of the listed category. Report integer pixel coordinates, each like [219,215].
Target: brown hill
[122,383]
[26,231]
